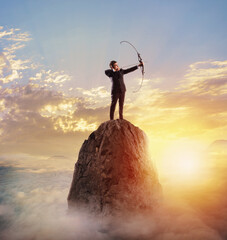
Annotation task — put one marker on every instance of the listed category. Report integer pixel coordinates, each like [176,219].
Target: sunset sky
[53,56]
[54,93]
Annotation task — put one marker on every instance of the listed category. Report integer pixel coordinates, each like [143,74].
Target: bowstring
[140,60]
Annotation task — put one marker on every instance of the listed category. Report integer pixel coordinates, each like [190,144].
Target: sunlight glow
[62,109]
[68,125]
[182,163]
[186,162]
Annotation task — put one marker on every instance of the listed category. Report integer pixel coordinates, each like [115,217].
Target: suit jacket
[117,78]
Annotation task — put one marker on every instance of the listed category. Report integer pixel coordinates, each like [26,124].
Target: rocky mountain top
[114,172]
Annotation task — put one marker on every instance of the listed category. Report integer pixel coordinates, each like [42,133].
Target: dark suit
[118,89]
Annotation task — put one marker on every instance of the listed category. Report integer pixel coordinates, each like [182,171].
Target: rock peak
[114,172]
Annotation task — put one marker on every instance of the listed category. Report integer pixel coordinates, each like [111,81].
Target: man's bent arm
[108,72]
[125,71]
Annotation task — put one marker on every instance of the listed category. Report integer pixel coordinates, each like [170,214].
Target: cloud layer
[33,205]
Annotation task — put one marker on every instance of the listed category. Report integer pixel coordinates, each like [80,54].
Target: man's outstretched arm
[128,70]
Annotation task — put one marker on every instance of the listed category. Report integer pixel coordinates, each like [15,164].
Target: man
[118,87]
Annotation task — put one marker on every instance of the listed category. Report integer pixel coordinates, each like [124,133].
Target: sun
[186,162]
[182,163]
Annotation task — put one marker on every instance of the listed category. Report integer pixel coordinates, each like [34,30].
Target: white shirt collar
[115,70]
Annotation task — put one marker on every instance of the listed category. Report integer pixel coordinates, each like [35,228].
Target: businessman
[116,75]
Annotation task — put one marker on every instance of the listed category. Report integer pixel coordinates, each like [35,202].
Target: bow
[140,60]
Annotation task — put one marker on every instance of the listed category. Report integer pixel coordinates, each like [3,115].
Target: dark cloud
[29,98]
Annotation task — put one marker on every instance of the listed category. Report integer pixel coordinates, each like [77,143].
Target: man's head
[114,65]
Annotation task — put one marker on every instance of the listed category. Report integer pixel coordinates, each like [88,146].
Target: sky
[54,93]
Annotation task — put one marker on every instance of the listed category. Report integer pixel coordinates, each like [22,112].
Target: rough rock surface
[114,172]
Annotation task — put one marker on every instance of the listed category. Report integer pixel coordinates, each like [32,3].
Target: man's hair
[112,63]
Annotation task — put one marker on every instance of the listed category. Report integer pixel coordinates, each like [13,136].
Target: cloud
[37,164]
[95,92]
[5,210]
[14,34]
[205,70]
[33,107]
[6,32]
[40,112]
[36,119]
[206,78]
[195,107]
[37,208]
[12,68]
[12,48]
[50,79]
[41,206]
[36,107]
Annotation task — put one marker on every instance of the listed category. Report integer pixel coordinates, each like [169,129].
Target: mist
[33,205]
